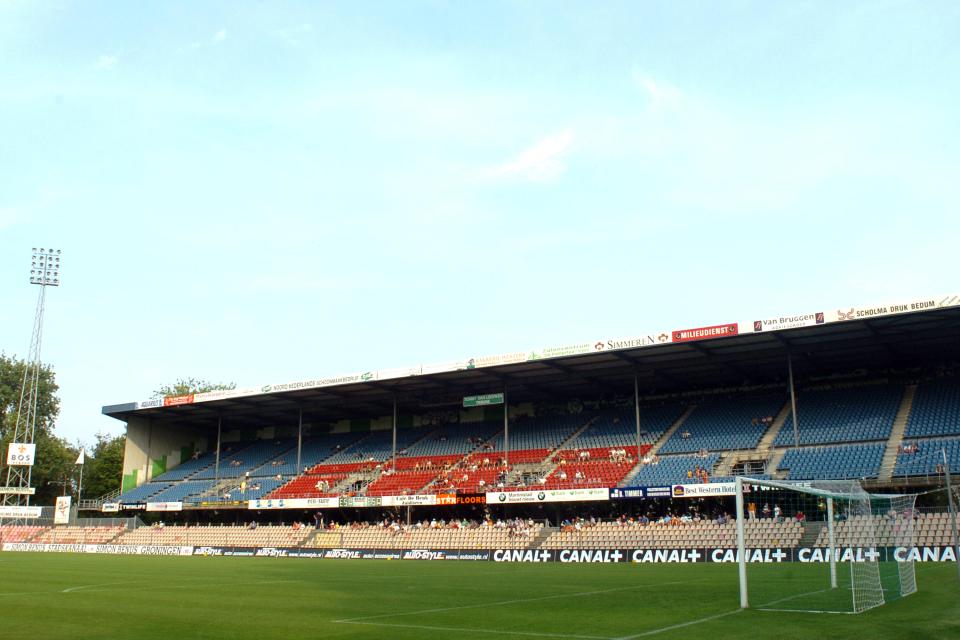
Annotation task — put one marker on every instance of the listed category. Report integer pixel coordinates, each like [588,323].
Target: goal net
[841,549]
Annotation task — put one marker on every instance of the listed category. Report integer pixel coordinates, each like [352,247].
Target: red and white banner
[172,401]
[706,333]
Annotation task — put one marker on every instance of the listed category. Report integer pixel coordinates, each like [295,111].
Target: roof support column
[793,403]
[216,470]
[393,456]
[636,408]
[299,441]
[506,433]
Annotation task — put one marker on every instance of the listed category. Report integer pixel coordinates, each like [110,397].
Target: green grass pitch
[142,598]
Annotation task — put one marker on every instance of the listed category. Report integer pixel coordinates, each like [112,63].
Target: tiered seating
[326,469]
[936,409]
[673,470]
[453,439]
[255,489]
[144,492]
[188,467]
[306,487]
[216,536]
[182,490]
[844,415]
[719,424]
[377,446]
[401,483]
[618,427]
[760,534]
[928,460]
[466,480]
[18,533]
[839,462]
[63,534]
[598,473]
[931,529]
[424,463]
[542,432]
[313,450]
[250,458]
[373,537]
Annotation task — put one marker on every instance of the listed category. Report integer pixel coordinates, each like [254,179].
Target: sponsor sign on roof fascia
[638,341]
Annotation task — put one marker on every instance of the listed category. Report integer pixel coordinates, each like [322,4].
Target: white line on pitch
[535,634]
[680,625]
[505,602]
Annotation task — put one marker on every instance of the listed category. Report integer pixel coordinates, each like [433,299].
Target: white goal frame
[872,594]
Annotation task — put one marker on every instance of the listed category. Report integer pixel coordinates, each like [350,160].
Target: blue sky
[264,192]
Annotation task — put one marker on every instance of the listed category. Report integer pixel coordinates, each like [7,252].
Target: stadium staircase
[537,541]
[811,533]
[656,445]
[763,451]
[549,465]
[774,462]
[95,504]
[573,436]
[765,446]
[896,434]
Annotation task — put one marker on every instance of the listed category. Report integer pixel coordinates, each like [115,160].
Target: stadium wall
[152,450]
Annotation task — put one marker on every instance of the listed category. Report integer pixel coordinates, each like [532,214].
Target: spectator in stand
[801,517]
[766,511]
[776,512]
[752,510]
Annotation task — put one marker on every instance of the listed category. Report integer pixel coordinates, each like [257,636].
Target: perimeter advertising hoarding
[639,340]
[704,490]
[164,506]
[294,503]
[553,495]
[20,512]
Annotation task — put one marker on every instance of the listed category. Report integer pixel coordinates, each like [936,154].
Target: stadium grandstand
[607,444]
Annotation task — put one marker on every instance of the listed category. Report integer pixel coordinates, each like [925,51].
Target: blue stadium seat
[719,424]
[844,415]
[840,462]
[936,409]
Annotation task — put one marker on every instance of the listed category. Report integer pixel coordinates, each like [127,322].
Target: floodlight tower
[45,272]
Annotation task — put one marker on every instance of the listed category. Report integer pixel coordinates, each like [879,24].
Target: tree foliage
[186,386]
[104,467]
[11,383]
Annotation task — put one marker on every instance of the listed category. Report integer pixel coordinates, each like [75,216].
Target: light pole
[45,272]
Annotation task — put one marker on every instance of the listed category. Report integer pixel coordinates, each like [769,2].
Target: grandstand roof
[730,354]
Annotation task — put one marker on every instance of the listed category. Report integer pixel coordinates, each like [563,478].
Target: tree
[54,472]
[104,467]
[11,383]
[186,386]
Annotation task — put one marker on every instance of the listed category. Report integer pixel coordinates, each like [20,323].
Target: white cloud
[660,93]
[292,35]
[542,162]
[107,62]
[219,36]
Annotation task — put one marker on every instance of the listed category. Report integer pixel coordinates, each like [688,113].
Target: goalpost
[849,548]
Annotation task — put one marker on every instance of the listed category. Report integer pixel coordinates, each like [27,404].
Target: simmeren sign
[480,401]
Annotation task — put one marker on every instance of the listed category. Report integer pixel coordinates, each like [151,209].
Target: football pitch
[90,596]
